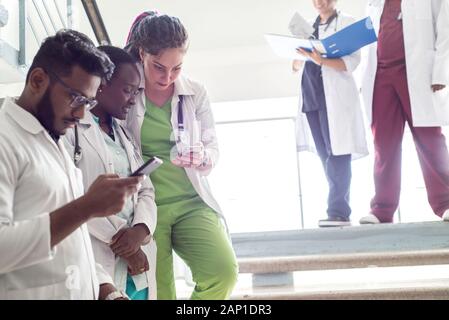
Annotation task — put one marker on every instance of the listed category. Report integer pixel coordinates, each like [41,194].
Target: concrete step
[348,247]
[272,257]
[411,293]
[266,265]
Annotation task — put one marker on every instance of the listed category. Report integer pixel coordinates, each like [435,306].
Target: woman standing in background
[330,101]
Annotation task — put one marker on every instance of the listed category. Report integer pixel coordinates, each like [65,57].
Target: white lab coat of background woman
[346,126]
[103,229]
[426,41]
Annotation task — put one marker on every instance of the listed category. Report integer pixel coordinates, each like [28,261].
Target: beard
[46,115]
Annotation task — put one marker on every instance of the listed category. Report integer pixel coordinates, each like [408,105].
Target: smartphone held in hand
[152,164]
[186,150]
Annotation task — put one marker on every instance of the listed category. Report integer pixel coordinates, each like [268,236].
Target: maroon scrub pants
[391,110]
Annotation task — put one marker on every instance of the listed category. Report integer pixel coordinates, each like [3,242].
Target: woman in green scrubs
[173,121]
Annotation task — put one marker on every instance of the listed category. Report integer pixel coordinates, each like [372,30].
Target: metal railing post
[22,33]
[301,206]
[69,14]
[61,18]
[96,21]
[41,17]
[47,10]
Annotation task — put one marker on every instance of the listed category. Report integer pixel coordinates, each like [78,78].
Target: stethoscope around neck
[328,23]
[78,151]
[180,134]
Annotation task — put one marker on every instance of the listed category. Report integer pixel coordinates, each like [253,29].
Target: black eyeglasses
[78,100]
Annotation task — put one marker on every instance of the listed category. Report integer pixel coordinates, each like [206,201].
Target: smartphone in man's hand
[148,167]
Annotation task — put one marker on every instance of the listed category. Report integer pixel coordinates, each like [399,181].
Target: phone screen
[148,167]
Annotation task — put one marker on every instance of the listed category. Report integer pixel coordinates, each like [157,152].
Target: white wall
[228,52]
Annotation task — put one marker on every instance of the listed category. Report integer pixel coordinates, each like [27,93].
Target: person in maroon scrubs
[392,108]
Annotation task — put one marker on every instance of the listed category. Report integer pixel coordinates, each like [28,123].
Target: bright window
[257,182]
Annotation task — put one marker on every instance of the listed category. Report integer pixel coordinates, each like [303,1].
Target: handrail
[25,18]
[96,21]
[34,31]
[47,10]
[60,14]
[22,33]
[255,120]
[41,17]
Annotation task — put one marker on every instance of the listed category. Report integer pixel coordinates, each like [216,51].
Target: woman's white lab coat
[96,160]
[197,118]
[346,126]
[426,39]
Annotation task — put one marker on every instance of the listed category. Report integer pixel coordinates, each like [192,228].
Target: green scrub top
[171,183]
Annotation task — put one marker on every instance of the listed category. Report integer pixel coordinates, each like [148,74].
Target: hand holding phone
[190,156]
[148,167]
[187,150]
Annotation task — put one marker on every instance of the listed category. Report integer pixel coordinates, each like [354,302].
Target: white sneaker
[370,219]
[334,222]
[446,215]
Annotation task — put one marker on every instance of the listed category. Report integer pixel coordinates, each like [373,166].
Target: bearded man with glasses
[45,248]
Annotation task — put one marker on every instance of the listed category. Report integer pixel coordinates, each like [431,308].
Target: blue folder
[340,44]
[347,40]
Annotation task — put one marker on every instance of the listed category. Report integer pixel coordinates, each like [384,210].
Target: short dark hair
[154,33]
[69,48]
[118,56]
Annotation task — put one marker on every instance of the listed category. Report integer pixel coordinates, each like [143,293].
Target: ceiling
[228,53]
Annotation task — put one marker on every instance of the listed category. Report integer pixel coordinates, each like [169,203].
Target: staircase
[272,258]
[25,24]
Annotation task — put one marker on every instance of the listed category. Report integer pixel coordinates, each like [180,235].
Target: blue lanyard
[180,118]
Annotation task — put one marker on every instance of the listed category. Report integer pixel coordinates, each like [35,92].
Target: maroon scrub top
[390,46]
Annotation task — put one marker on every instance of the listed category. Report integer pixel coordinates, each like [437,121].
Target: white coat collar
[183,87]
[93,136]
[22,117]
[376,3]
[88,119]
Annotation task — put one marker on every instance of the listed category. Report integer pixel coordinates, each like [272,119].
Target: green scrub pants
[195,232]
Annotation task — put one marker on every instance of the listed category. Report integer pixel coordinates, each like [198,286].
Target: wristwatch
[116,294]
